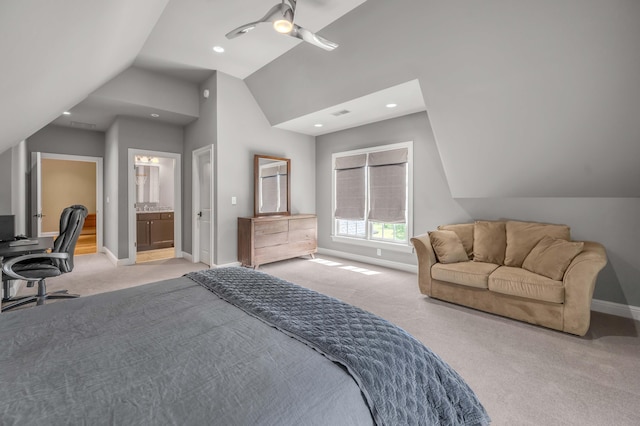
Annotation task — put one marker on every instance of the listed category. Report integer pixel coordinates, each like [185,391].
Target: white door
[36,194]
[203,205]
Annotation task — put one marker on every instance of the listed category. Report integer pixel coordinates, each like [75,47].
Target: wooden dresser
[271,238]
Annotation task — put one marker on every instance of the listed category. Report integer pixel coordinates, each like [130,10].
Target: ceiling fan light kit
[282,17]
[283,26]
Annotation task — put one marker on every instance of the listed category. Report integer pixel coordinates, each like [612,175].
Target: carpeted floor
[523,374]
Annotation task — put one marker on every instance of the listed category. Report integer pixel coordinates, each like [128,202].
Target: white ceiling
[181,46]
[182,41]
[407,98]
[54,54]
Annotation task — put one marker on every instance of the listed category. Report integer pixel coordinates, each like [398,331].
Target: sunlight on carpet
[347,267]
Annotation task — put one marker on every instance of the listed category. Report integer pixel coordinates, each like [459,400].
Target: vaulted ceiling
[526,99]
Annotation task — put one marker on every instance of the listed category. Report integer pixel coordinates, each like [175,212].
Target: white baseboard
[113,259]
[187,256]
[618,309]
[371,260]
[224,265]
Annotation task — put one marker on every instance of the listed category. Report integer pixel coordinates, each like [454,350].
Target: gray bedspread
[167,353]
[403,381]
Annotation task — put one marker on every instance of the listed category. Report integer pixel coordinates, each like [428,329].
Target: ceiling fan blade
[243,29]
[309,37]
[276,11]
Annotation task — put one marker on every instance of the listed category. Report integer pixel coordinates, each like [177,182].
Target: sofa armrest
[579,282]
[426,259]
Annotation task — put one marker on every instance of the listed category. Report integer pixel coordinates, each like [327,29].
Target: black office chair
[37,267]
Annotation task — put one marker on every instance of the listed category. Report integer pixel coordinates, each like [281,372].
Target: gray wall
[5,177]
[525,98]
[167,95]
[66,140]
[610,221]
[243,131]
[111,189]
[198,134]
[139,134]
[63,140]
[428,179]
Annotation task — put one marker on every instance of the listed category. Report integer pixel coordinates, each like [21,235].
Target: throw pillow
[465,232]
[489,242]
[523,236]
[448,247]
[551,257]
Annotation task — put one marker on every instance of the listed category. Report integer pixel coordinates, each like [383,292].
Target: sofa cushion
[465,232]
[448,247]
[523,283]
[472,274]
[551,257]
[522,237]
[489,242]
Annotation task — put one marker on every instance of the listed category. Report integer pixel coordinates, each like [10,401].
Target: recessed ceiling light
[318,125]
[218,49]
[391,105]
[66,113]
[155,115]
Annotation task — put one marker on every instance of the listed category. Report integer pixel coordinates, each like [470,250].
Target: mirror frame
[256,185]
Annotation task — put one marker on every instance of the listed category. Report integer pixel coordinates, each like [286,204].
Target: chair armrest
[579,282]
[7,267]
[426,259]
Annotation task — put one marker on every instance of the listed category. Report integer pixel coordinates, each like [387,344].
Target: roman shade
[350,187]
[388,185]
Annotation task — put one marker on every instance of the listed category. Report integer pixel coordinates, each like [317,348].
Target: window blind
[350,187]
[388,185]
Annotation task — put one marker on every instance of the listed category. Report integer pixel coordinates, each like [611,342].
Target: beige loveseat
[528,271]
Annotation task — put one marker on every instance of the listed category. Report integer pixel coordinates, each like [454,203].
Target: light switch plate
[234,201]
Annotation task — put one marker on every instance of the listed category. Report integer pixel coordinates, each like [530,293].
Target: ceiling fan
[281,15]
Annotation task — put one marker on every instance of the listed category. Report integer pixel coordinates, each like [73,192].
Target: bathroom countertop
[153,211]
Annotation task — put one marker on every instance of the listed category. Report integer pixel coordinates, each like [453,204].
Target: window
[372,195]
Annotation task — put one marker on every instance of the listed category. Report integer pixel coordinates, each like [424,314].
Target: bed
[228,346]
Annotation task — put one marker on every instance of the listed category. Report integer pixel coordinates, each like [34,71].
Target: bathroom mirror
[271,185]
[147,184]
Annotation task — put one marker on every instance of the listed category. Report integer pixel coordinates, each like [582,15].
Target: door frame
[195,205]
[36,161]
[177,199]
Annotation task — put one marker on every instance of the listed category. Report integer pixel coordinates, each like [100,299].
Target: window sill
[399,247]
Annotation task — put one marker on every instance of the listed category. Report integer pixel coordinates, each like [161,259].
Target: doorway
[154,206]
[203,203]
[58,181]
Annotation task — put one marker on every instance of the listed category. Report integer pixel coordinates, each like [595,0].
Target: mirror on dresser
[273,233]
[272,185]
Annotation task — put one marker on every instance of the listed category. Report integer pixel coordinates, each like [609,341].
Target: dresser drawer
[305,223]
[271,227]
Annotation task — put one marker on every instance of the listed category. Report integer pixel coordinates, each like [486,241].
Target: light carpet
[523,374]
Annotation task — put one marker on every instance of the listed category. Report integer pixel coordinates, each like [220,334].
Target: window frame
[368,241]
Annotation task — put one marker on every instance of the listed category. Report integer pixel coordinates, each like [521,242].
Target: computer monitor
[7,227]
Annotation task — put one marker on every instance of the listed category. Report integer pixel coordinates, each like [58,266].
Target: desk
[44,244]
